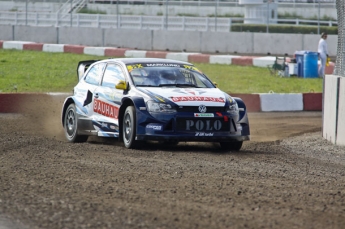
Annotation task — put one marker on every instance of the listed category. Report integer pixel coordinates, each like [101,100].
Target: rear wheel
[232,146]
[129,128]
[71,125]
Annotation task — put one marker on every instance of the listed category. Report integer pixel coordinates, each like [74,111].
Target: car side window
[112,75]
[94,75]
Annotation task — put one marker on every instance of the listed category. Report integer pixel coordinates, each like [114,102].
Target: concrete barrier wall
[330,107]
[341,113]
[222,42]
[166,40]
[334,110]
[278,43]
[80,36]
[281,102]
[36,34]
[128,38]
[163,40]
[7,33]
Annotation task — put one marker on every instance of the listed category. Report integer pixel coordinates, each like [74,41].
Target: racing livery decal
[88,99]
[134,66]
[142,65]
[197,98]
[105,109]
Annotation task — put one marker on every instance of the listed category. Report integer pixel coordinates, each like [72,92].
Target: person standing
[323,54]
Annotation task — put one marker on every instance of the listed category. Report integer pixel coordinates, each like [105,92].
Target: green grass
[32,71]
[248,79]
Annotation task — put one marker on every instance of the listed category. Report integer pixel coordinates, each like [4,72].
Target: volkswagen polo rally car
[150,99]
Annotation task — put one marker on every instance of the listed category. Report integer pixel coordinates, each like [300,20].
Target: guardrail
[136,22]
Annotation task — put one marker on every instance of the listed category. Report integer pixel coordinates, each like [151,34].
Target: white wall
[161,40]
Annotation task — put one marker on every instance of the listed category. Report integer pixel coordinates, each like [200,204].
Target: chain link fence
[340,61]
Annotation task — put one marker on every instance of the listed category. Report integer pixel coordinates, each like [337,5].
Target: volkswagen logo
[202,108]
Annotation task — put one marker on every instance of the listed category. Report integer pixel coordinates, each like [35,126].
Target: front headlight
[233,108]
[156,107]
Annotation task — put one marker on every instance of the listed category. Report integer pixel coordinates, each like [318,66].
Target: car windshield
[144,75]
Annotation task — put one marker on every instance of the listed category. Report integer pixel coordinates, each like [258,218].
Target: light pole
[166,14]
[215,16]
[268,16]
[71,12]
[318,21]
[26,12]
[117,14]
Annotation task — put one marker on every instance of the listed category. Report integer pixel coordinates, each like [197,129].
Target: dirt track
[274,182]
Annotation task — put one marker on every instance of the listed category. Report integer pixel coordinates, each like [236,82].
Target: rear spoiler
[83,66]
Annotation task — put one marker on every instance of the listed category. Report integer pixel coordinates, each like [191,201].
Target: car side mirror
[215,84]
[122,85]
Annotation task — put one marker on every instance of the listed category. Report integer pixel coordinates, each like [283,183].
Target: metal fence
[185,2]
[340,61]
[134,22]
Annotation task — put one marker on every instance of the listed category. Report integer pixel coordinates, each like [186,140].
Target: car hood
[188,96]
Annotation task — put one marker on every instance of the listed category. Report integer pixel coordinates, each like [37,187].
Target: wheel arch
[137,103]
[125,103]
[68,101]
[242,107]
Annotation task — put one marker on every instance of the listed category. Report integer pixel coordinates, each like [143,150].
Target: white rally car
[141,99]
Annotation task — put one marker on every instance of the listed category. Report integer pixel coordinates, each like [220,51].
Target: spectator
[323,54]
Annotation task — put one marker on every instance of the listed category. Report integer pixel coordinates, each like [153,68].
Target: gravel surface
[287,176]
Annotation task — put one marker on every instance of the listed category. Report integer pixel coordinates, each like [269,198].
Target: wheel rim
[70,123]
[127,127]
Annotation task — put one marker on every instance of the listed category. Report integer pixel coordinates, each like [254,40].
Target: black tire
[71,125]
[231,146]
[129,128]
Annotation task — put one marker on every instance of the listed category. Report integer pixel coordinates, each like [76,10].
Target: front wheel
[71,125]
[232,146]
[129,128]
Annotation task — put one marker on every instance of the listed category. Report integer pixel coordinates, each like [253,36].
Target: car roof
[129,61]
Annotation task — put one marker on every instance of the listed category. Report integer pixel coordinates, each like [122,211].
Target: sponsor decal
[134,66]
[88,99]
[203,134]
[191,68]
[201,115]
[154,127]
[105,109]
[160,98]
[203,125]
[163,65]
[197,98]
[142,65]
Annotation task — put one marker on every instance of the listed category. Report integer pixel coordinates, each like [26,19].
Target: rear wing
[83,66]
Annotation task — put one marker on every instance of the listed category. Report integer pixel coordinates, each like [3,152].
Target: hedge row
[283,29]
